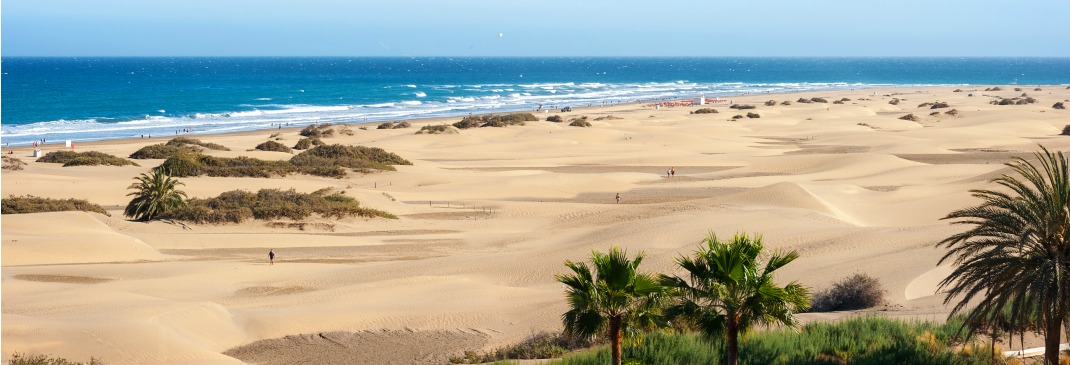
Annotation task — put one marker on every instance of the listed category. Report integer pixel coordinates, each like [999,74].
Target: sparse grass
[273,146]
[185,141]
[495,120]
[437,129]
[163,151]
[238,206]
[737,116]
[90,158]
[939,105]
[12,164]
[33,204]
[308,142]
[318,131]
[23,359]
[857,341]
[394,125]
[705,111]
[608,117]
[910,117]
[541,345]
[804,101]
[860,291]
[785,102]
[555,119]
[952,112]
[770,103]
[579,122]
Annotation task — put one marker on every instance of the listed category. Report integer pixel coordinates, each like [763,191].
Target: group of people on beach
[39,143]
[670,172]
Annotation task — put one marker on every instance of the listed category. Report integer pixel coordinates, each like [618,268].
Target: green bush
[355,157]
[183,165]
[33,204]
[238,206]
[495,120]
[705,111]
[580,123]
[163,151]
[12,164]
[273,146]
[860,291]
[91,158]
[328,161]
[541,345]
[308,142]
[186,165]
[22,359]
[185,141]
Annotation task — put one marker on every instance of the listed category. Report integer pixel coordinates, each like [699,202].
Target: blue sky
[533,28]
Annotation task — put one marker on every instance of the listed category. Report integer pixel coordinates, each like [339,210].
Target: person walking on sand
[672,171]
[271,257]
[618,198]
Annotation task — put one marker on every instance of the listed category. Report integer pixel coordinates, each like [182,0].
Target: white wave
[411,86]
[421,94]
[263,99]
[412,102]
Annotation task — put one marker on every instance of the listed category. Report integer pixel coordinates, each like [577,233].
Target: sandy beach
[488,216]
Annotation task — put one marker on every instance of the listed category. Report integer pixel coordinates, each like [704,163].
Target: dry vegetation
[238,206]
[327,160]
[12,164]
[705,111]
[33,204]
[394,125]
[273,146]
[857,292]
[495,120]
[90,158]
[308,142]
[437,129]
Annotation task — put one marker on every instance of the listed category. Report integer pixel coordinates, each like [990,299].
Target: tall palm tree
[1017,248]
[730,289]
[156,193]
[615,300]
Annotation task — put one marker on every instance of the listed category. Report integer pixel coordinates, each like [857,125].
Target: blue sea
[88,99]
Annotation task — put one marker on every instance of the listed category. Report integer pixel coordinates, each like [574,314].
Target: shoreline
[488,216]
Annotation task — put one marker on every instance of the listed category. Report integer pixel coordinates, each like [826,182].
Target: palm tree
[156,193]
[616,300]
[730,289]
[1017,248]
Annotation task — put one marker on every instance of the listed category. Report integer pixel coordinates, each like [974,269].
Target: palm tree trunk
[615,331]
[1052,337]
[733,340]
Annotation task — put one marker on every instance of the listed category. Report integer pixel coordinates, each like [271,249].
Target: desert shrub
[162,151]
[804,101]
[860,291]
[819,100]
[495,120]
[910,117]
[238,206]
[737,116]
[1014,101]
[360,158]
[845,99]
[837,102]
[785,102]
[186,165]
[1017,89]
[273,146]
[923,105]
[23,359]
[437,129]
[1066,130]
[753,115]
[939,105]
[387,125]
[318,131]
[894,101]
[33,204]
[12,164]
[993,89]
[770,103]
[1058,105]
[555,119]
[706,111]
[308,142]
[933,114]
[185,141]
[608,117]
[952,112]
[957,91]
[579,123]
[742,106]
[402,124]
[183,165]
[345,130]
[90,158]
[541,345]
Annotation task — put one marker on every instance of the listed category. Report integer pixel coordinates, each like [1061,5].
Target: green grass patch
[33,204]
[861,341]
[90,158]
[238,206]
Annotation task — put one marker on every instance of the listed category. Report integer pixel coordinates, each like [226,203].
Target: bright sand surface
[488,216]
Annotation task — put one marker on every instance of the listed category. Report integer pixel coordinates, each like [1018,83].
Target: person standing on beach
[271,257]
[672,171]
[618,198]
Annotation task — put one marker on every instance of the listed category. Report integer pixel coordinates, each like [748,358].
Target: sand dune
[486,219]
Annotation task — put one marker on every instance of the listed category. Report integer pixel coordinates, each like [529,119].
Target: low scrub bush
[1037,89]
[952,112]
[360,158]
[608,117]
[185,141]
[785,102]
[579,122]
[705,111]
[993,89]
[742,106]
[542,345]
[273,146]
[495,120]
[163,151]
[957,91]
[33,204]
[318,131]
[804,101]
[555,119]
[1014,101]
[238,206]
[860,291]
[837,101]
[910,117]
[402,125]
[308,142]
[737,116]
[933,114]
[22,359]
[325,160]
[1058,105]
[753,115]
[1066,130]
[188,164]
[770,103]
[387,125]
[939,105]
[12,164]
[894,101]
[924,105]
[819,100]
[90,158]
[437,129]
[1017,89]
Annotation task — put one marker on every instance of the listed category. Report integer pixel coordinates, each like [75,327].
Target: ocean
[89,99]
